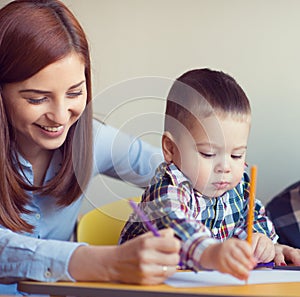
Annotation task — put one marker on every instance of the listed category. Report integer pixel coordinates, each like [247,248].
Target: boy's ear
[168,146]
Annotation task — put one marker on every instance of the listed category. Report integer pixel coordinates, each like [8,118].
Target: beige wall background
[255,41]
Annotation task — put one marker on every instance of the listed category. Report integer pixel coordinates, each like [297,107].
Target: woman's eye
[74,94]
[207,155]
[36,101]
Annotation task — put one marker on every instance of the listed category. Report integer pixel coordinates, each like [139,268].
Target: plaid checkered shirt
[198,221]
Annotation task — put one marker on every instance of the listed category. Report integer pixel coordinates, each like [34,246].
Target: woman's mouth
[51,128]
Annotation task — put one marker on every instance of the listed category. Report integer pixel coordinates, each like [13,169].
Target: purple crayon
[144,218]
[265,265]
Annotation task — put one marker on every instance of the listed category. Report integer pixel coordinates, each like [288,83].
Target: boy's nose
[223,166]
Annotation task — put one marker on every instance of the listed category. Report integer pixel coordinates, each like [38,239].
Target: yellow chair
[103,225]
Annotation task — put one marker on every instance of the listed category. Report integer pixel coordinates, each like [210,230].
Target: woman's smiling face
[44,107]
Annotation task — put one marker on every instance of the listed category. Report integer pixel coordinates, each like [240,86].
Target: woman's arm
[25,257]
[123,156]
[140,260]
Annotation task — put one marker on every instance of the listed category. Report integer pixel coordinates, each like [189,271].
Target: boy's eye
[36,101]
[207,155]
[236,156]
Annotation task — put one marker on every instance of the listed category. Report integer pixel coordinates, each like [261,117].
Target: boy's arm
[174,207]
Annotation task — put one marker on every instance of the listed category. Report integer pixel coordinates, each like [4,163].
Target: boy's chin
[212,194]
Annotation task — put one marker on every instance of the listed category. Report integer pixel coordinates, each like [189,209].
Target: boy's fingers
[279,259]
[166,232]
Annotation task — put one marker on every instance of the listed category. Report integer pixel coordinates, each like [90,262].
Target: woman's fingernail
[283,264]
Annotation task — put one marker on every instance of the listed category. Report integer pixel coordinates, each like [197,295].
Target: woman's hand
[285,254]
[263,248]
[146,260]
[233,256]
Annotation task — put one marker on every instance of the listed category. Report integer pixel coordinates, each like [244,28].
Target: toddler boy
[202,189]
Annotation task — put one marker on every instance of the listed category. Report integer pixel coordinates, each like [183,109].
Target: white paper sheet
[215,278]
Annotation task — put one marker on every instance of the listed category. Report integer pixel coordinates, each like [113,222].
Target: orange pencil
[250,218]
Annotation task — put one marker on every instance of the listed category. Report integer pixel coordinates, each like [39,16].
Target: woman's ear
[168,146]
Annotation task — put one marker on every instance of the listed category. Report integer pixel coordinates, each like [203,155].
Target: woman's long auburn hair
[33,35]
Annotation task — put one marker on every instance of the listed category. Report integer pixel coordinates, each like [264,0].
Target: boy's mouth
[221,185]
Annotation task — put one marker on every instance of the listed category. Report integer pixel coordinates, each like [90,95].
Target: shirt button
[190,263]
[48,274]
[37,216]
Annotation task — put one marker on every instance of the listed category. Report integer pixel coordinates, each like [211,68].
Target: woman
[50,149]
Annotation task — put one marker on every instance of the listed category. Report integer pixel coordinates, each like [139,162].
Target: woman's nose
[58,112]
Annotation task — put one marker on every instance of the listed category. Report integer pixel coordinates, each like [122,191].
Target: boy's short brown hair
[200,93]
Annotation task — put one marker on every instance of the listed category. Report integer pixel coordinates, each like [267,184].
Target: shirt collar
[178,177]
[22,161]
[53,168]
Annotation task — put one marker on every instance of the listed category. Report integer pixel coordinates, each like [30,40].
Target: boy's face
[212,154]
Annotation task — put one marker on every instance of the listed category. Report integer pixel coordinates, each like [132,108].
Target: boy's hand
[233,256]
[286,254]
[263,248]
